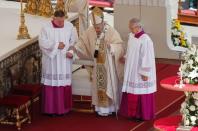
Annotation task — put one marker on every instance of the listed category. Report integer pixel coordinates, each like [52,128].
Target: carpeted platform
[167,102]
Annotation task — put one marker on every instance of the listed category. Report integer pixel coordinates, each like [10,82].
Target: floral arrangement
[178,36]
[189,68]
[189,75]
[189,109]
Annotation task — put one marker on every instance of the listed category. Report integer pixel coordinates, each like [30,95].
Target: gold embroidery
[101,54]
[101,76]
[103,99]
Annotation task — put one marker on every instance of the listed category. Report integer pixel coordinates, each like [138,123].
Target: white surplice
[140,60]
[56,68]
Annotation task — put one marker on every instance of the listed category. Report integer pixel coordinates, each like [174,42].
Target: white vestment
[82,8]
[140,60]
[86,46]
[56,68]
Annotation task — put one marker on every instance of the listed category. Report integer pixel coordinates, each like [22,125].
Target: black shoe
[138,120]
[50,115]
[113,114]
[135,119]
[60,115]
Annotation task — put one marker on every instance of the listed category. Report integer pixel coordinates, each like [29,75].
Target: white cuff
[75,57]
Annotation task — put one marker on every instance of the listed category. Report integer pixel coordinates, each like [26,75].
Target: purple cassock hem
[138,106]
[56,100]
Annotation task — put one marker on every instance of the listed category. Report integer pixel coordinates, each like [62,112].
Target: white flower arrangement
[192,108]
[189,110]
[189,75]
[189,67]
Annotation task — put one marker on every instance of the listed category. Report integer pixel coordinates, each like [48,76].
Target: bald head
[135,25]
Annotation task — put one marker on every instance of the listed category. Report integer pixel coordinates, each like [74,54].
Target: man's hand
[61,45]
[69,55]
[122,60]
[144,78]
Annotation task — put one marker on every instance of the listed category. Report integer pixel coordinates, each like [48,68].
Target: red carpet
[167,102]
[160,67]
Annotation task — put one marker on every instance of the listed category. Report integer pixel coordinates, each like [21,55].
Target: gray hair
[136,22]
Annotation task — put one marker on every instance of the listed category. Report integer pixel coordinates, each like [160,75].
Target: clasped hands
[69,54]
[61,45]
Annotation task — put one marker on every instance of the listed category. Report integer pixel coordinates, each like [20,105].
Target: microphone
[96,54]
